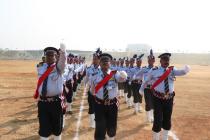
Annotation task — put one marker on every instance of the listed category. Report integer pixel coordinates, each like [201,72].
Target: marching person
[163,78]
[68,87]
[126,83]
[136,84]
[91,71]
[49,93]
[130,73]
[75,76]
[121,85]
[104,85]
[142,74]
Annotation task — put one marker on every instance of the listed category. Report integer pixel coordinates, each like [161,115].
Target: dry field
[18,111]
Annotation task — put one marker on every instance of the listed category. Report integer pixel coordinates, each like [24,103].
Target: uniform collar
[46,65]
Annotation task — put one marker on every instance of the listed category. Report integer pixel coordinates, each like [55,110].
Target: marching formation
[107,80]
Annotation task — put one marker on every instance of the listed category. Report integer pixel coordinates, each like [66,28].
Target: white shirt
[91,71]
[155,73]
[112,85]
[69,72]
[142,74]
[55,78]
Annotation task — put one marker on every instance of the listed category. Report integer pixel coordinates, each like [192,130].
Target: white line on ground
[76,137]
[173,135]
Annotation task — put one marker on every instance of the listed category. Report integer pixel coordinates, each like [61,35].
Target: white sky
[112,24]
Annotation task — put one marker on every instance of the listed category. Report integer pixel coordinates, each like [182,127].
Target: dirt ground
[18,111]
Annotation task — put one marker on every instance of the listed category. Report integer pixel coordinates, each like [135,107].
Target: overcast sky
[112,24]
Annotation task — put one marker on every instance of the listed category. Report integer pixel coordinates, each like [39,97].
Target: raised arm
[182,71]
[62,59]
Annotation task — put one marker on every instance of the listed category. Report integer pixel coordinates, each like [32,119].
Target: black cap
[70,55]
[164,55]
[140,57]
[135,56]
[105,57]
[51,49]
[127,59]
[151,55]
[97,53]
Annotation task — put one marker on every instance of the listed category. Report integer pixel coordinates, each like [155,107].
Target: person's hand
[186,68]
[123,74]
[62,47]
[141,92]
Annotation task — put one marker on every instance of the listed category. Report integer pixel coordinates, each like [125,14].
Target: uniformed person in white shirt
[130,73]
[68,87]
[113,64]
[126,69]
[163,95]
[106,102]
[84,68]
[121,85]
[50,112]
[142,74]
[136,84]
[75,76]
[80,72]
[91,71]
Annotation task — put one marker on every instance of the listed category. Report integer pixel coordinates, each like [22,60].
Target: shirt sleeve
[179,72]
[62,61]
[149,78]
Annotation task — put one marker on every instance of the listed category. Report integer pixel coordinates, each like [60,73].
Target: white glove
[141,91]
[123,74]
[129,82]
[62,47]
[186,68]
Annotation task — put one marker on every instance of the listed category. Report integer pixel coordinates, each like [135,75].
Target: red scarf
[104,81]
[163,77]
[42,78]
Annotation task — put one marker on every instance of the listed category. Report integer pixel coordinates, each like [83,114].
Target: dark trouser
[125,87]
[129,91]
[69,94]
[137,98]
[50,118]
[120,86]
[148,99]
[91,102]
[162,114]
[106,120]
[79,78]
[75,84]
